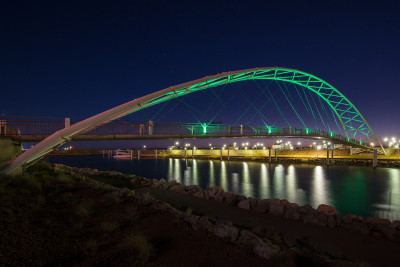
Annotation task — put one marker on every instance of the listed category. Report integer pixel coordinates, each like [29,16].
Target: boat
[122,154]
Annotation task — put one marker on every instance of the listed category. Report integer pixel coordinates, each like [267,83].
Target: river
[356,190]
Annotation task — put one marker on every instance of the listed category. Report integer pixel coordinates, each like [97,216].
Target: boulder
[228,197]
[249,240]
[204,224]
[253,202]
[226,231]
[395,225]
[305,209]
[199,194]
[215,193]
[292,213]
[328,210]
[244,204]
[315,217]
[375,220]
[262,206]
[177,188]
[191,189]
[276,208]
[191,220]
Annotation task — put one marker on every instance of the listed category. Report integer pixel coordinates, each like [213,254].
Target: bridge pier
[9,149]
[276,156]
[138,154]
[228,154]
[269,153]
[163,155]
[185,153]
[332,161]
[156,153]
[221,154]
[375,158]
[327,156]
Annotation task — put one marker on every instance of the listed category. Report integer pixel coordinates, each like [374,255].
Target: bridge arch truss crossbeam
[351,119]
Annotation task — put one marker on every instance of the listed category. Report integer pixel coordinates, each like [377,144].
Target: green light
[269,130]
[332,134]
[204,128]
[307,131]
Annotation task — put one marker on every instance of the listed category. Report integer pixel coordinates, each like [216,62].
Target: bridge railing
[48,127]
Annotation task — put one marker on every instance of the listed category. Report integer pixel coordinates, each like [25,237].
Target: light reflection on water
[352,190]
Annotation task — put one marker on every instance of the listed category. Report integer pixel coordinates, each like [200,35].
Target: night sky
[74,59]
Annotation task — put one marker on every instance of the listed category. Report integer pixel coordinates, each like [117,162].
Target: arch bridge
[354,125]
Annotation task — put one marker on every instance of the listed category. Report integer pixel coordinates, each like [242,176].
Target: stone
[250,240]
[375,220]
[226,231]
[177,188]
[215,193]
[228,197]
[292,213]
[244,204]
[315,217]
[199,194]
[191,189]
[395,224]
[253,202]
[191,220]
[328,210]
[204,224]
[276,208]
[305,209]
[262,206]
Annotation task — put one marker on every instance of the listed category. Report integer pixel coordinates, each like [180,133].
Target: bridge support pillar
[141,129]
[163,155]
[375,159]
[327,156]
[269,153]
[131,153]
[228,154]
[151,126]
[192,154]
[241,129]
[156,153]
[221,153]
[276,156]
[332,160]
[185,153]
[138,154]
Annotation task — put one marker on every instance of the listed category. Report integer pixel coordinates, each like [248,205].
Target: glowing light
[385,139]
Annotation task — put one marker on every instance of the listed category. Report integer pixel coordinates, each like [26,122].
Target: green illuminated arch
[351,119]
[353,122]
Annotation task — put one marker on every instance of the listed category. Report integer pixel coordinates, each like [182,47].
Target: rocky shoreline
[324,216]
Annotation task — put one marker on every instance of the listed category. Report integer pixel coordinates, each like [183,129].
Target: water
[351,190]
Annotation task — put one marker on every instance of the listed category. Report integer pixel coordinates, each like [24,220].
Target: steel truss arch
[351,119]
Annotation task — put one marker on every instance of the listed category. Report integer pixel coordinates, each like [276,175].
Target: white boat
[122,154]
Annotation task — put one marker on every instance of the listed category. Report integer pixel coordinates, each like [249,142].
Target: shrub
[132,215]
[137,248]
[115,197]
[109,226]
[83,209]
[90,248]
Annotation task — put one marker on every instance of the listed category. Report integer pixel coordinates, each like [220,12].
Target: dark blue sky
[74,59]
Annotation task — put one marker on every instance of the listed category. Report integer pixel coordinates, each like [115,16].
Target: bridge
[38,130]
[354,125]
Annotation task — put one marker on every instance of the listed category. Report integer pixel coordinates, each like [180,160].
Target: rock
[262,206]
[215,193]
[305,209]
[276,208]
[387,232]
[228,197]
[395,225]
[199,194]
[375,220]
[244,204]
[292,213]
[315,217]
[177,188]
[348,218]
[191,189]
[191,220]
[250,240]
[356,226]
[237,199]
[253,202]
[328,210]
[226,231]
[204,224]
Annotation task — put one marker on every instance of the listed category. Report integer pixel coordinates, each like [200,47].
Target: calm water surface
[352,190]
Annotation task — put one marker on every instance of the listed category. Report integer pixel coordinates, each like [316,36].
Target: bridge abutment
[9,149]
